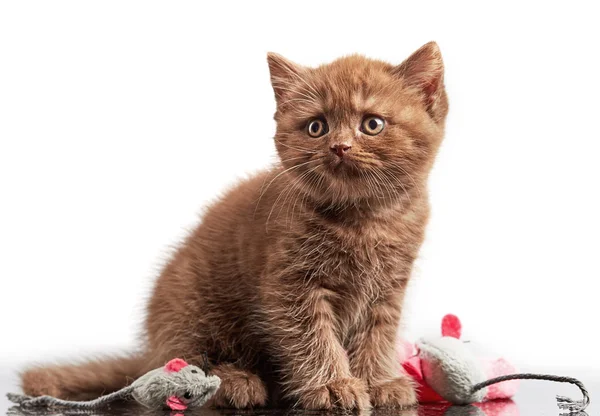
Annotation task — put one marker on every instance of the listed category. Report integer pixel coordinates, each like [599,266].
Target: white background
[120,120]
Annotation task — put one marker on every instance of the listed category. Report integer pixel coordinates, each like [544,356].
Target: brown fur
[293,283]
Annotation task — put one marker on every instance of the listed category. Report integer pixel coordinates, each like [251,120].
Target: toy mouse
[447,369]
[176,386]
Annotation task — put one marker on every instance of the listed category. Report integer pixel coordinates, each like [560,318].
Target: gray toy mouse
[177,386]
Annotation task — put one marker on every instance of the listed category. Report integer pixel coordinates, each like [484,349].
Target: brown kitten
[294,281]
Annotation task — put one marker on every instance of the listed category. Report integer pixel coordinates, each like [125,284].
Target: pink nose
[340,149]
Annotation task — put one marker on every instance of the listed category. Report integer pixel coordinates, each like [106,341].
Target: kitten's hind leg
[239,389]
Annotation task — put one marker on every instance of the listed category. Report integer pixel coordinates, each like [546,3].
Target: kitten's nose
[340,149]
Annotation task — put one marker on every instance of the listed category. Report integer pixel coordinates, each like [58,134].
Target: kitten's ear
[424,69]
[284,74]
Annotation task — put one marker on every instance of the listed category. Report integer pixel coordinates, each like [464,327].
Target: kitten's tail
[83,381]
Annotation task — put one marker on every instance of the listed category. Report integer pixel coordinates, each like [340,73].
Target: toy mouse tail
[85,380]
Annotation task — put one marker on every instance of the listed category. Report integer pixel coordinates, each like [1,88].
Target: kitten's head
[359,129]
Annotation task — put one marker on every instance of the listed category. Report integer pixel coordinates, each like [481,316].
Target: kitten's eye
[317,127]
[372,125]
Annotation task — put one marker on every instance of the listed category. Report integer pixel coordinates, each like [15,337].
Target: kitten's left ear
[424,69]
[284,74]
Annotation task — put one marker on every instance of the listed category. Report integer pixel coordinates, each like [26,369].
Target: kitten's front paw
[344,393]
[398,392]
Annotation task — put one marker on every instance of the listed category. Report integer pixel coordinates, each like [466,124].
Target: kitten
[293,283]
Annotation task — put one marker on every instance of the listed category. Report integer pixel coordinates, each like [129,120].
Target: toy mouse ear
[451,326]
[175,365]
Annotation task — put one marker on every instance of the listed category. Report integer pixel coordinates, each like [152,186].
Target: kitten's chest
[355,261]
[359,266]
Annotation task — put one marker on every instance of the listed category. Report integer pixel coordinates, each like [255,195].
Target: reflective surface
[500,408]
[535,398]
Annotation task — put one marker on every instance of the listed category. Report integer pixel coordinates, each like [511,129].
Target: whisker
[391,187]
[378,183]
[282,161]
[281,84]
[287,189]
[277,176]
[302,193]
[296,148]
[404,172]
[312,89]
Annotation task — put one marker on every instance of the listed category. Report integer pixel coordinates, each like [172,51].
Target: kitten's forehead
[354,84]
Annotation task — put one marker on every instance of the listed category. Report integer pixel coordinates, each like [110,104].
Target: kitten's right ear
[284,74]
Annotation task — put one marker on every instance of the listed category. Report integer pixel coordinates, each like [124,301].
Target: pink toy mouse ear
[451,326]
[175,365]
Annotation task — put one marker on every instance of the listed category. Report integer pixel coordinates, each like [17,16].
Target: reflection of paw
[240,390]
[344,393]
[399,392]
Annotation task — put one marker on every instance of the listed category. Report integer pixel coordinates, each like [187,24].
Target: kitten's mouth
[344,166]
